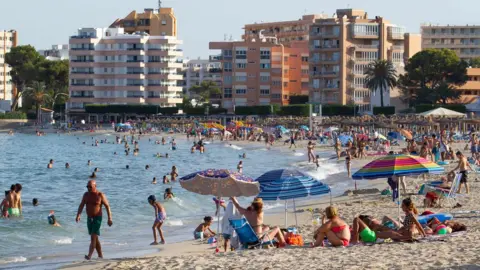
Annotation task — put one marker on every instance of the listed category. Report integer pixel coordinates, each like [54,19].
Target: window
[305,71]
[264,91]
[240,54]
[227,79]
[241,65]
[265,78]
[164,22]
[227,92]
[240,91]
[276,83]
[304,58]
[241,78]
[276,96]
[265,55]
[294,81]
[227,53]
[264,66]
[227,66]
[285,58]
[285,84]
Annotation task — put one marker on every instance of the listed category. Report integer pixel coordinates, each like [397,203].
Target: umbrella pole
[285,214]
[295,210]
[398,197]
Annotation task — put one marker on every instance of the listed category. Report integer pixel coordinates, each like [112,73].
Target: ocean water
[31,243]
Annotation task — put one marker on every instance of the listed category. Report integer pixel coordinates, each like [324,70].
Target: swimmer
[52,220]
[160,216]
[5,205]
[127,167]
[50,164]
[166,155]
[89,163]
[35,202]
[165,179]
[192,150]
[147,167]
[115,153]
[168,194]
[67,166]
[163,141]
[95,170]
[240,166]
[173,173]
[244,155]
[154,181]
[93,175]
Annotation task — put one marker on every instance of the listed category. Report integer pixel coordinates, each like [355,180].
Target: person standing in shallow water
[93,200]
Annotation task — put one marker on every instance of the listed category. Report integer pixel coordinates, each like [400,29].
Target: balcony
[82,96]
[324,34]
[396,48]
[365,47]
[135,84]
[135,72]
[82,72]
[215,70]
[82,84]
[82,60]
[358,86]
[83,49]
[136,49]
[216,58]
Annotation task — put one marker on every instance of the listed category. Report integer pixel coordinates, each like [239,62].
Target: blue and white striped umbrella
[273,175]
[293,188]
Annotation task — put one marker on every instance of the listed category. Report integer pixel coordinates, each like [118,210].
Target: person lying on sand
[335,229]
[434,226]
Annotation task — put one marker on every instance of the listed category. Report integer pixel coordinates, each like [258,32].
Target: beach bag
[294,239]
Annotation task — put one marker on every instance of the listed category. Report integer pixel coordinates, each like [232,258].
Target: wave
[174,222]
[13,260]
[271,206]
[299,154]
[121,244]
[63,241]
[234,146]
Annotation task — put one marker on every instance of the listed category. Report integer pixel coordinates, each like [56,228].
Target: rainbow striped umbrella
[399,165]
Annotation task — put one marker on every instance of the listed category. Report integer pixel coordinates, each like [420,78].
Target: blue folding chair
[247,236]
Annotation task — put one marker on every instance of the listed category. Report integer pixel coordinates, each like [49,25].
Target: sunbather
[254,216]
[335,229]
[434,226]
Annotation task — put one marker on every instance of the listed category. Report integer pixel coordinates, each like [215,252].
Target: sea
[31,243]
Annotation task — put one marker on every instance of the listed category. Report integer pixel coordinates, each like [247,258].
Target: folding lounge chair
[247,236]
[449,195]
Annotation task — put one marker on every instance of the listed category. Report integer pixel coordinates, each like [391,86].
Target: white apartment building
[56,53]
[197,71]
[8,39]
[108,66]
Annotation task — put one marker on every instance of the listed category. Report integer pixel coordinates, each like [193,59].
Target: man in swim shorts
[462,167]
[94,199]
[15,201]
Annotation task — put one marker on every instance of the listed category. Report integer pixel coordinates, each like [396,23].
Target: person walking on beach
[462,167]
[311,156]
[292,142]
[160,216]
[94,199]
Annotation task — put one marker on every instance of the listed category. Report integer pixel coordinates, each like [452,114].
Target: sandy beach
[453,252]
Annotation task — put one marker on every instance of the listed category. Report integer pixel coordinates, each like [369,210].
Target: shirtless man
[94,200]
[462,167]
[15,201]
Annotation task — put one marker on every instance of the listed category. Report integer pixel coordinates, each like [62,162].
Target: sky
[47,22]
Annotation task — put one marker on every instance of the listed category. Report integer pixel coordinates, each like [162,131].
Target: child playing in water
[154,181]
[203,230]
[165,179]
[168,194]
[52,220]
[160,216]
[173,174]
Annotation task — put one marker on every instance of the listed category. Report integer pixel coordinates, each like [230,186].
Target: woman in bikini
[254,216]
[335,229]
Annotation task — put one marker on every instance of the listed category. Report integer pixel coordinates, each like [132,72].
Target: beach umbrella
[330,129]
[289,185]
[304,128]
[345,138]
[395,136]
[220,183]
[405,133]
[397,165]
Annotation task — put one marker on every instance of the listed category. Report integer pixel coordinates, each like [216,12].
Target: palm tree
[381,75]
[38,93]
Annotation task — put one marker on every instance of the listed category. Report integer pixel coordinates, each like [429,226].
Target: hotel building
[260,71]
[341,47]
[108,66]
[199,70]
[463,40]
[285,31]
[8,40]
[155,22]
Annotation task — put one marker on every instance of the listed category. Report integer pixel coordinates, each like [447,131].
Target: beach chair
[448,196]
[247,236]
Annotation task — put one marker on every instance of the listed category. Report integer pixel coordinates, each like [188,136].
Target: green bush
[13,115]
[334,110]
[298,99]
[388,110]
[295,110]
[427,107]
[257,110]
[202,110]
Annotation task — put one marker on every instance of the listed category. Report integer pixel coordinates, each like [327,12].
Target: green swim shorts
[94,224]
[13,212]
[368,236]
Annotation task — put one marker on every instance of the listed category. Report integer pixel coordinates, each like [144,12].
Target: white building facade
[108,66]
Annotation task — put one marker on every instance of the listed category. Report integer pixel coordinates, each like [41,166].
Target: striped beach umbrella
[289,184]
[398,165]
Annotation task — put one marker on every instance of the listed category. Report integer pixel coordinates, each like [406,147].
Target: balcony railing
[215,58]
[135,84]
[215,70]
[82,36]
[82,72]
[83,49]
[136,49]
[135,61]
[82,84]
[82,96]
[316,73]
[135,72]
[323,34]
[83,61]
